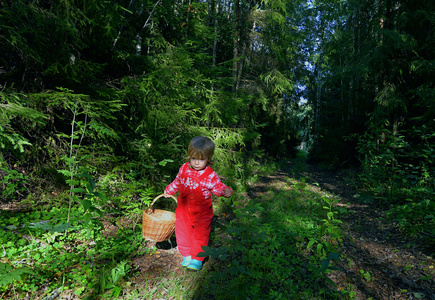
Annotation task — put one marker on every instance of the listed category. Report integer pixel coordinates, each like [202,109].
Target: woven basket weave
[158,225]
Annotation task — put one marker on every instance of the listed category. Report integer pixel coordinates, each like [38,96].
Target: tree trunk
[216,25]
[236,43]
[215,32]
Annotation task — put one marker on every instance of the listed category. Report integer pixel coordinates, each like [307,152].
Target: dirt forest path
[376,261]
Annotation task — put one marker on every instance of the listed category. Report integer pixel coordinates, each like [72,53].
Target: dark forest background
[116,89]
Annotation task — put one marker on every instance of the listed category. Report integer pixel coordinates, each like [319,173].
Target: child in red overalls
[195,182]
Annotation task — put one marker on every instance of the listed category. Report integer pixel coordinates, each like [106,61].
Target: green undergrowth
[398,176]
[37,253]
[277,245]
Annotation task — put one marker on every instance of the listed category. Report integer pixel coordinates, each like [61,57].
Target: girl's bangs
[197,154]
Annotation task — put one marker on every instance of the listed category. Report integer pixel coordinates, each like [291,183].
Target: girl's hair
[200,147]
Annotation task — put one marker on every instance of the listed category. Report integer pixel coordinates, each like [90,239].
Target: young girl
[195,182]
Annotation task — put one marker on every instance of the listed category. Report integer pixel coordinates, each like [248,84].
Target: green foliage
[10,275]
[91,202]
[36,247]
[365,275]
[399,169]
[13,181]
[127,106]
[118,91]
[261,254]
[31,49]
[415,217]
[370,87]
[15,141]
[12,110]
[111,282]
[271,260]
[400,161]
[330,234]
[372,67]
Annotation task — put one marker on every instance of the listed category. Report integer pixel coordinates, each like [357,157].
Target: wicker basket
[158,225]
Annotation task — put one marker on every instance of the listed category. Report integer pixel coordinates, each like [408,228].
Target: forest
[99,100]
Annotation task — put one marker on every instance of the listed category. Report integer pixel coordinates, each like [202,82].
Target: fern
[103,130]
[8,274]
[13,107]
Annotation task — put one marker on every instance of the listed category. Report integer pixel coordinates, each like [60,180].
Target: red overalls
[194,214]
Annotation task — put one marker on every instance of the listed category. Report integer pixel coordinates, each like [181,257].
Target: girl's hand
[166,195]
[227,193]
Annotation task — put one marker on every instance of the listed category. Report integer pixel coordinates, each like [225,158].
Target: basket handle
[160,196]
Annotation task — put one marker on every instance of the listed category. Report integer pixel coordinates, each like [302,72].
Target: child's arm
[218,188]
[174,186]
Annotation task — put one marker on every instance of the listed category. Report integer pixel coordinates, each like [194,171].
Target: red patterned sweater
[187,175]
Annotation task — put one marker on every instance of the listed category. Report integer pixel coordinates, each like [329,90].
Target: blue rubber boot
[186,261]
[195,265]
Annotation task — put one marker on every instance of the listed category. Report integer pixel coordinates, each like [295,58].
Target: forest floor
[377,262]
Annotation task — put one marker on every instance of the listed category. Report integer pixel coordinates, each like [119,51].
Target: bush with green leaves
[399,169]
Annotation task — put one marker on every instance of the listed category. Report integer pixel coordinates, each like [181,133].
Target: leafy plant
[13,182]
[111,282]
[91,202]
[10,275]
[365,275]
[12,107]
[331,225]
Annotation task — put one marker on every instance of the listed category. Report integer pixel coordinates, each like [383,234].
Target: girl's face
[198,164]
